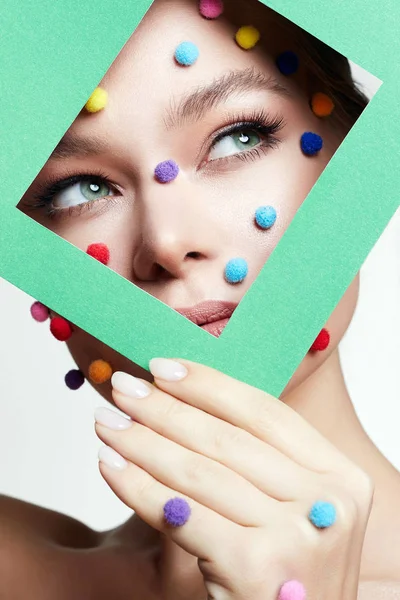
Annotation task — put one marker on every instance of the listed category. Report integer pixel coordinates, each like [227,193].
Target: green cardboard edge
[51,61]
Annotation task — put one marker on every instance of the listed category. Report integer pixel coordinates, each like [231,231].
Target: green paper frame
[51,61]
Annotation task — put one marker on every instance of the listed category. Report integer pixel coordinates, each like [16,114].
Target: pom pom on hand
[176,512]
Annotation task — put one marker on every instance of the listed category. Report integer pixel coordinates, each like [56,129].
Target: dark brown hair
[332,70]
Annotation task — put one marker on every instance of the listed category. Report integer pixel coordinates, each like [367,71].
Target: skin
[178,255]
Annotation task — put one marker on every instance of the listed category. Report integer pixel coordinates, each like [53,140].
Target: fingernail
[112,459]
[167,369]
[109,418]
[129,386]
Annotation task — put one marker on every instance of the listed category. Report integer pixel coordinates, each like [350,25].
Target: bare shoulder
[46,555]
[26,520]
[379,590]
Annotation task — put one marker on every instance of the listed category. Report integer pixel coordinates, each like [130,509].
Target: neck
[323,400]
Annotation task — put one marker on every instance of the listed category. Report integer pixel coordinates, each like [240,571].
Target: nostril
[192,255]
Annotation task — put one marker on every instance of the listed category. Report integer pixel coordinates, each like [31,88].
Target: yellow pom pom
[100,371]
[322,105]
[97,101]
[247,37]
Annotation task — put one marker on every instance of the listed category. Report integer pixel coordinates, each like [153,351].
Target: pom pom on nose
[166,171]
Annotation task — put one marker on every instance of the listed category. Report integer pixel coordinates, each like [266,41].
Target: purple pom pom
[74,379]
[176,512]
[39,312]
[166,171]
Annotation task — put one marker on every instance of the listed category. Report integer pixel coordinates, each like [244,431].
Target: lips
[211,315]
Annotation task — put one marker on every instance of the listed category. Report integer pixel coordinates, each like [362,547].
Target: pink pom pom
[292,590]
[39,312]
[211,9]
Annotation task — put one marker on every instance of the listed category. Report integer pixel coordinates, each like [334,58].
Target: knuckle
[227,438]
[142,486]
[170,410]
[197,469]
[266,418]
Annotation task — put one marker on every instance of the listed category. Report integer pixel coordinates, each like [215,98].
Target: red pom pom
[321,342]
[100,252]
[61,329]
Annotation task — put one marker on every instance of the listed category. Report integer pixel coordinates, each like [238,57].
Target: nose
[175,234]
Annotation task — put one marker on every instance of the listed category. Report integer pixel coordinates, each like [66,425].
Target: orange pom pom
[100,371]
[322,105]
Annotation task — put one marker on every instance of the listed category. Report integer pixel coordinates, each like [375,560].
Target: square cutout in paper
[185,184]
[332,231]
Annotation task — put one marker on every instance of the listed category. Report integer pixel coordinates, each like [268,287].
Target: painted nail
[170,370]
[129,386]
[112,459]
[111,419]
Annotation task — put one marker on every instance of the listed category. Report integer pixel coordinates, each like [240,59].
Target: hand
[250,468]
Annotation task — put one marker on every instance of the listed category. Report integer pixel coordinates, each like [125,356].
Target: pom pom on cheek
[100,252]
[311,143]
[265,216]
[211,9]
[236,270]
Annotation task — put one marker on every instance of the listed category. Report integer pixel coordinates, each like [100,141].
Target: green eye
[234,143]
[81,192]
[92,190]
[246,139]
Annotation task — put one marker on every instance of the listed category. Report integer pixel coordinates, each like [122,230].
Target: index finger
[251,409]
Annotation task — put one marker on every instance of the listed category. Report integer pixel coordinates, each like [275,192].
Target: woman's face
[231,122]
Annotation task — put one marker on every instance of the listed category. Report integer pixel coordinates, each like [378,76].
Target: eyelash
[258,121]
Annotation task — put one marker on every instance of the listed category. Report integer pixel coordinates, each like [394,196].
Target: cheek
[337,325]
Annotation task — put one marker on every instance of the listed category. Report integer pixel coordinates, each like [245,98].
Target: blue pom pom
[186,53]
[236,270]
[265,216]
[322,514]
[311,143]
[287,62]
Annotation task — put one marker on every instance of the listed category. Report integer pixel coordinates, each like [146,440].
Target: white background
[48,449]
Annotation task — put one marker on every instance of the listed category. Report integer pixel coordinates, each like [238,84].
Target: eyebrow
[193,106]
[74,145]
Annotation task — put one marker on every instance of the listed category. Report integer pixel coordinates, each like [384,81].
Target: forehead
[146,68]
